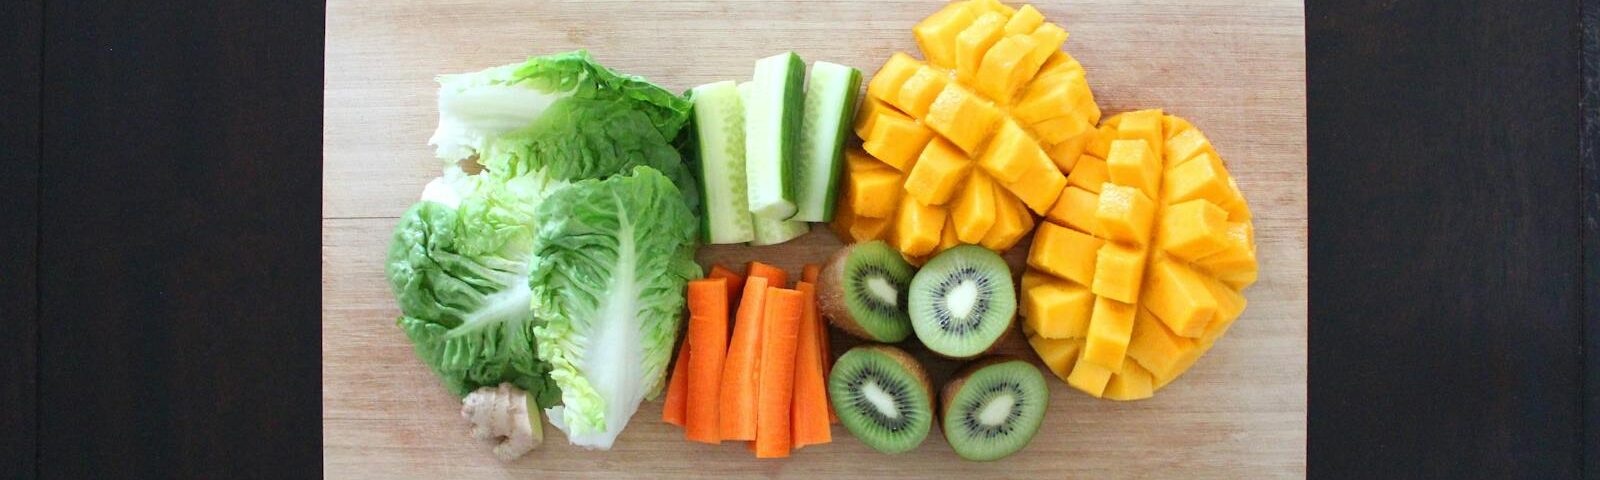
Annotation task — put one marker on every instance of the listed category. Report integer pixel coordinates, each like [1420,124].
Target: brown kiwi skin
[951,387]
[831,295]
[905,360]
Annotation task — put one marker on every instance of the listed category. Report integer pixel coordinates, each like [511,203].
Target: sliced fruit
[939,171]
[962,301]
[830,100]
[1153,255]
[863,290]
[882,397]
[992,408]
[719,129]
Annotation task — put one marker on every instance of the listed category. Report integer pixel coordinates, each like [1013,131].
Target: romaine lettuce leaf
[611,259]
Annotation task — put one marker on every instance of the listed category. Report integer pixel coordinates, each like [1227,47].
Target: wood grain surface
[1235,68]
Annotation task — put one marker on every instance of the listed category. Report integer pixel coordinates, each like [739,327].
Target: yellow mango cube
[1238,210]
[1132,383]
[1155,347]
[919,91]
[1039,186]
[1133,163]
[1110,329]
[1180,298]
[1011,153]
[896,141]
[1089,174]
[1125,213]
[939,171]
[973,209]
[866,229]
[867,115]
[1118,271]
[1058,354]
[879,184]
[1057,309]
[885,85]
[1025,20]
[1185,145]
[917,227]
[1238,260]
[974,42]
[1075,208]
[1192,230]
[1230,304]
[1048,39]
[1067,153]
[1061,129]
[1089,377]
[993,6]
[962,118]
[936,35]
[947,235]
[1011,222]
[1203,177]
[1182,365]
[996,75]
[1171,125]
[1065,253]
[1100,145]
[1142,125]
[1061,62]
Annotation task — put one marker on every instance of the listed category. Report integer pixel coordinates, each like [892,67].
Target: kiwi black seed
[962,302]
[862,290]
[882,396]
[992,408]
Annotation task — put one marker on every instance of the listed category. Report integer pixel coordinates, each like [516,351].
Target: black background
[160,170]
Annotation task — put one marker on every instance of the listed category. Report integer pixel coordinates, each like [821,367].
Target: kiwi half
[882,396]
[992,408]
[963,301]
[863,291]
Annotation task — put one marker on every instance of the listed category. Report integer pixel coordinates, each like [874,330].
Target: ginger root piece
[505,412]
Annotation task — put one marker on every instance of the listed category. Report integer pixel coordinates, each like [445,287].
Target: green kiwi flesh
[962,302]
[883,397]
[863,289]
[993,408]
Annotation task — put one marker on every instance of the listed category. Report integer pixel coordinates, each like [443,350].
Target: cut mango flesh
[995,97]
[1150,253]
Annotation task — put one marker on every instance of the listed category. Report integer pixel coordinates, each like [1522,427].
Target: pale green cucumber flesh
[772,133]
[830,102]
[719,129]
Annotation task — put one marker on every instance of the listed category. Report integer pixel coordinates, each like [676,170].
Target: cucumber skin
[783,169]
[794,98]
[847,116]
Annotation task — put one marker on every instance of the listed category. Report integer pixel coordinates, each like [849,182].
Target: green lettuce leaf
[477,108]
[458,265]
[611,260]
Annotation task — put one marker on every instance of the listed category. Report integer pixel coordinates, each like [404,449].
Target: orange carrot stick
[810,421]
[708,335]
[774,404]
[674,408]
[810,272]
[740,370]
[776,277]
[735,281]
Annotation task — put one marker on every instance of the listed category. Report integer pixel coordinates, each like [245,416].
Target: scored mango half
[1138,267]
[970,144]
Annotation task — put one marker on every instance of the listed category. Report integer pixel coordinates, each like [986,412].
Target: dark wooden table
[160,176]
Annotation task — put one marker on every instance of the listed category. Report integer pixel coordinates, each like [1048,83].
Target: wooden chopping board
[1236,68]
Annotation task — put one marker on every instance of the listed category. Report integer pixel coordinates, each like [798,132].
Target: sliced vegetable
[708,336]
[737,402]
[809,272]
[774,437]
[735,281]
[830,102]
[674,409]
[776,277]
[810,421]
[772,133]
[719,127]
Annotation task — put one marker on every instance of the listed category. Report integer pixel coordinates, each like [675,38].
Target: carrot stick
[810,421]
[810,272]
[708,335]
[776,277]
[740,370]
[735,281]
[774,404]
[674,409]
